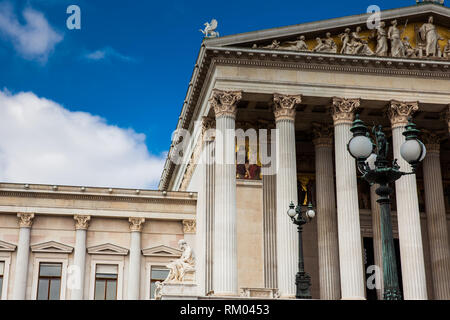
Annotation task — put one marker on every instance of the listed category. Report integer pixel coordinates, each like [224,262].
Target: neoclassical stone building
[307,81]
[304,84]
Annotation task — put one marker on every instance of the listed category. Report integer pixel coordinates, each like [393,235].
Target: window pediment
[51,247]
[108,249]
[5,246]
[162,251]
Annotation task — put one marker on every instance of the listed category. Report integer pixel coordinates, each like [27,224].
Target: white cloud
[42,142]
[106,54]
[35,39]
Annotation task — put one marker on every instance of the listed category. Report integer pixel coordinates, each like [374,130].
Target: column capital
[208,126]
[400,111]
[432,141]
[189,226]
[225,102]
[322,134]
[284,106]
[25,219]
[343,109]
[136,224]
[81,222]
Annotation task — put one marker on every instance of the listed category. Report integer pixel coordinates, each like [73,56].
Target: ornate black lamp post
[299,216]
[375,169]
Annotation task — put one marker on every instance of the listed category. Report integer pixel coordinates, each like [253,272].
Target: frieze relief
[423,40]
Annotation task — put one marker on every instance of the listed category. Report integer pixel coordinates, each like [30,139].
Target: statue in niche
[360,45]
[326,45]
[428,33]
[298,45]
[394,34]
[181,266]
[447,50]
[382,42]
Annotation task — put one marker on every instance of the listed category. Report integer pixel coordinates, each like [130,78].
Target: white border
[119,263]
[56,258]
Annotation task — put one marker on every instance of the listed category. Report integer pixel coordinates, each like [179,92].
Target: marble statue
[394,34]
[428,33]
[210,29]
[345,38]
[326,45]
[320,46]
[410,52]
[158,289]
[298,45]
[446,53]
[359,44]
[382,42]
[179,267]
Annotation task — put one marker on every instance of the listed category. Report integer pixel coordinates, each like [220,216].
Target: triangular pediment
[162,251]
[287,38]
[51,247]
[5,246]
[108,249]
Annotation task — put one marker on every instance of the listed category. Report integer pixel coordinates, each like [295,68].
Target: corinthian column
[81,226]
[225,233]
[377,239]
[326,214]
[349,232]
[411,250]
[23,252]
[286,190]
[436,217]
[134,270]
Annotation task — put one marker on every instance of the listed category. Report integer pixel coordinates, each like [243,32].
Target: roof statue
[430,1]
[210,29]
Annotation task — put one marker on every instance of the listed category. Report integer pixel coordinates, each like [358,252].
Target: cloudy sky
[97,106]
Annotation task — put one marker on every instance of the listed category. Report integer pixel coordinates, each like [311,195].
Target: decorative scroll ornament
[284,106]
[136,224]
[25,219]
[323,135]
[432,140]
[81,222]
[189,226]
[343,110]
[399,112]
[225,102]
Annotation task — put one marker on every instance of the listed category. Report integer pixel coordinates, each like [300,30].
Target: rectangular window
[49,282]
[2,273]
[157,274]
[106,282]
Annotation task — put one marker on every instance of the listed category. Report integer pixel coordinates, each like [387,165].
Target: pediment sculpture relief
[424,41]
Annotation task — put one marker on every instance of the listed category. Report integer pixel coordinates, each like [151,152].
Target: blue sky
[131,62]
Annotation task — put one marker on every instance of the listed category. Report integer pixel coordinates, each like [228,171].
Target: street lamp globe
[291,211]
[360,147]
[311,213]
[413,151]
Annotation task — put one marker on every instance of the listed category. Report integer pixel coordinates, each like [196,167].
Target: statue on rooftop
[210,29]
[382,43]
[394,34]
[428,33]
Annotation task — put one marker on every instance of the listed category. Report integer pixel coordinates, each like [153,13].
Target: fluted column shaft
[326,216]
[81,225]
[286,191]
[270,250]
[134,269]
[23,253]
[349,232]
[408,215]
[436,223]
[225,279]
[377,238]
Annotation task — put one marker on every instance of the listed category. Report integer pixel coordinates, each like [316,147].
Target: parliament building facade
[298,89]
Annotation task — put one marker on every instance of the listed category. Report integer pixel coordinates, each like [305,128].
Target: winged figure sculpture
[210,29]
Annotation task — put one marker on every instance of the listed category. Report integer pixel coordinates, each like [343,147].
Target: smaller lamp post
[299,216]
[375,169]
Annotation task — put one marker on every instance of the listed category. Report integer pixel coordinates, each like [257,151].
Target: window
[49,282]
[105,282]
[157,274]
[2,272]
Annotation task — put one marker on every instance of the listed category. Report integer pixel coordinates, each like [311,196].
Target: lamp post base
[303,283]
